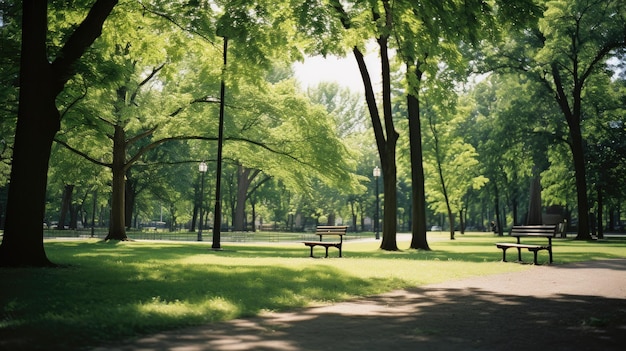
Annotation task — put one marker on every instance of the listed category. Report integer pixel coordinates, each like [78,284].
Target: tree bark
[66,203]
[386,146]
[534,216]
[117,226]
[130,194]
[245,176]
[576,146]
[497,210]
[418,228]
[37,123]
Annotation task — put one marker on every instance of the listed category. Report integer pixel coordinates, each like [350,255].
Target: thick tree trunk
[130,194]
[117,225]
[245,176]
[389,242]
[37,123]
[418,240]
[74,212]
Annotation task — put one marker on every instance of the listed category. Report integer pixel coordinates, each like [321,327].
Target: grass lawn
[107,291]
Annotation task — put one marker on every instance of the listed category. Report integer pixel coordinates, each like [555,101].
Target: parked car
[436,228]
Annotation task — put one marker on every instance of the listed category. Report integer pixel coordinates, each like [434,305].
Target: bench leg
[504,254]
[519,254]
[311,250]
[339,250]
[326,251]
[535,259]
[550,252]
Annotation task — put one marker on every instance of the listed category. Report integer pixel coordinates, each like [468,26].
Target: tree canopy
[118,102]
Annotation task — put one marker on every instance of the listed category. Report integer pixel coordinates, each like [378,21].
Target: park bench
[529,231]
[321,231]
[266,227]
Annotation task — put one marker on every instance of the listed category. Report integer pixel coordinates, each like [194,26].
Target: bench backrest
[331,229]
[534,229]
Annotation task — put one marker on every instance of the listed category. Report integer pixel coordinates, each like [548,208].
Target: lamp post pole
[202,168]
[217,222]
[376,176]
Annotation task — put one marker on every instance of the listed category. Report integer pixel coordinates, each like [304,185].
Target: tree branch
[84,155]
[80,40]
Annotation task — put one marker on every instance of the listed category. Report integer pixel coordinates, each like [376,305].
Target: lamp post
[202,168]
[376,176]
[217,221]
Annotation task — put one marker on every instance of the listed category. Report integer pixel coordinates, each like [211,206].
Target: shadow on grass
[419,319]
[115,291]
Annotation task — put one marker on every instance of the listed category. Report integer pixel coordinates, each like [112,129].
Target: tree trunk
[534,216]
[244,179]
[461,221]
[74,211]
[253,205]
[37,123]
[418,215]
[66,202]
[497,209]
[194,218]
[573,118]
[600,212]
[442,180]
[581,186]
[514,209]
[117,225]
[386,147]
[130,194]
[354,217]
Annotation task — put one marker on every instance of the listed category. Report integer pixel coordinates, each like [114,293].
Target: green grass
[107,291]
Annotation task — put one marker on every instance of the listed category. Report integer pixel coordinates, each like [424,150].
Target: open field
[107,291]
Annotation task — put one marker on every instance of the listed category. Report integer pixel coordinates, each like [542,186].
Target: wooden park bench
[321,231]
[529,231]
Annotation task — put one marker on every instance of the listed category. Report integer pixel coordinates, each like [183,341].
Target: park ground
[575,306]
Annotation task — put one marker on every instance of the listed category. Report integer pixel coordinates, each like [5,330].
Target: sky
[344,71]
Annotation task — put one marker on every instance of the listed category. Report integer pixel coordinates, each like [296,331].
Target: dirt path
[561,307]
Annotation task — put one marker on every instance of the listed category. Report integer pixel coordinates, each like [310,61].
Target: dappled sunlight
[419,318]
[120,290]
[212,309]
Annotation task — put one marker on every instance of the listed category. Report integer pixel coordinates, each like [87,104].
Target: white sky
[344,71]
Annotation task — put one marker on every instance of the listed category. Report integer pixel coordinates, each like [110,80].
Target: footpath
[579,306]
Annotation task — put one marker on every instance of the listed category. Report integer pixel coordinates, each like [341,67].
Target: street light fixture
[202,168]
[376,174]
